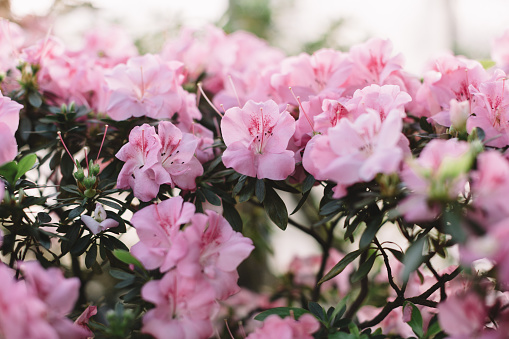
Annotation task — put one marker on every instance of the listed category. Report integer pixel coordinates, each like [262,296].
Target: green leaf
[451,221]
[8,171]
[238,186]
[372,228]
[308,183]
[341,265]
[413,258]
[433,327]
[275,208]
[301,202]
[35,99]
[119,274]
[364,268]
[231,214]
[211,197]
[341,335]
[282,312]
[339,310]
[91,256]
[260,190]
[415,319]
[247,191]
[76,212]
[317,310]
[25,164]
[127,258]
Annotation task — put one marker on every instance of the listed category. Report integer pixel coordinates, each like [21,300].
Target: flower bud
[79,174]
[89,182]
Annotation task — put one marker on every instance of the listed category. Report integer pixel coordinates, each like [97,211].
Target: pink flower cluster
[153,159]
[199,261]
[275,327]
[37,306]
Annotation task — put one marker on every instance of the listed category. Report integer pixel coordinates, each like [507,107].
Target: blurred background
[420,29]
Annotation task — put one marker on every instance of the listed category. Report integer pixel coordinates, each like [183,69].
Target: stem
[325,256]
[363,292]
[419,300]
[389,270]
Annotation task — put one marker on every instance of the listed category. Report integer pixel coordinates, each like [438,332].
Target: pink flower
[500,51]
[142,170]
[215,250]
[373,63]
[184,307]
[356,151]
[9,148]
[158,228]
[462,315]
[490,184]
[324,71]
[491,107]
[9,113]
[145,86]
[58,294]
[99,222]
[438,175]
[84,318]
[257,137]
[449,77]
[275,327]
[177,156]
[382,99]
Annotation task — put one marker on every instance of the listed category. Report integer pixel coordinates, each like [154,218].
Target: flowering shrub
[400,180]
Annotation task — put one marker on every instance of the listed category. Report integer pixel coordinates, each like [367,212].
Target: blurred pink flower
[462,315]
[145,86]
[184,307]
[275,327]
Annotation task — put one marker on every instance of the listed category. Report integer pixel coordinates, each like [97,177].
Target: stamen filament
[303,110]
[208,100]
[63,143]
[234,89]
[102,143]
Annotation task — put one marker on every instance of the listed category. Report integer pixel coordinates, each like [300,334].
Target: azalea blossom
[257,137]
[275,327]
[100,222]
[158,228]
[183,307]
[142,170]
[145,86]
[356,151]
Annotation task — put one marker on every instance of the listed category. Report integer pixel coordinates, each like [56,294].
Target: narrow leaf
[341,265]
[127,258]
[260,189]
[25,164]
[413,258]
[282,312]
[364,268]
[275,208]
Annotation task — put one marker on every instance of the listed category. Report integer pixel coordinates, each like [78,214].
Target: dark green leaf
[232,216]
[415,320]
[317,310]
[119,274]
[308,183]
[67,166]
[364,268]
[301,202]
[35,99]
[282,312]
[275,208]
[260,190]
[396,253]
[331,207]
[247,191]
[91,256]
[76,212]
[81,245]
[413,258]
[43,217]
[372,228]
[110,204]
[239,185]
[341,265]
[452,224]
[211,197]
[425,125]
[25,164]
